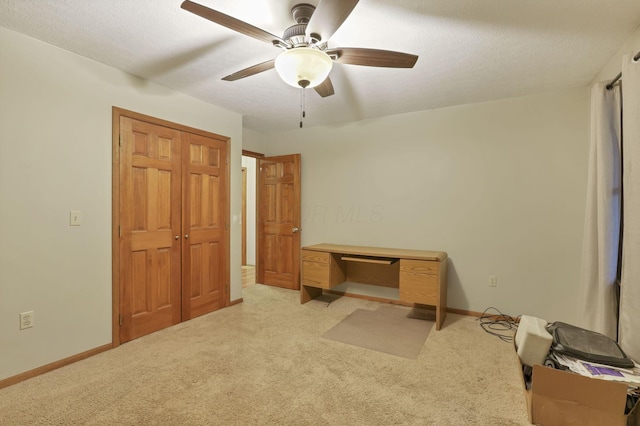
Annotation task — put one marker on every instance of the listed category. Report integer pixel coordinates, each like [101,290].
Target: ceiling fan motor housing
[295,35]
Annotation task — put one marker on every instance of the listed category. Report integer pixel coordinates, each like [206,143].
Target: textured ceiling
[469,50]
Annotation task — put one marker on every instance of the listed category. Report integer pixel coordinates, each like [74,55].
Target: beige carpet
[389,329]
[264,362]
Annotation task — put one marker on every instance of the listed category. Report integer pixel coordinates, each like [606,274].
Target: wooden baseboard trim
[463,312]
[235,302]
[480,314]
[53,366]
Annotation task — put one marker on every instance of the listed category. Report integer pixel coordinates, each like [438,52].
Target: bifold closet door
[174,228]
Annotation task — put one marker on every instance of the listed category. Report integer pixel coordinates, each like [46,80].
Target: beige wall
[253,141]
[499,185]
[55,156]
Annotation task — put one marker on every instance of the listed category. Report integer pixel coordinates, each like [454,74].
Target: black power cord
[499,325]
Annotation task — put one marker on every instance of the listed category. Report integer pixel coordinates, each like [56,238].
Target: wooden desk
[420,276]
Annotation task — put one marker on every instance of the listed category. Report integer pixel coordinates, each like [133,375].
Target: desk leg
[307,293]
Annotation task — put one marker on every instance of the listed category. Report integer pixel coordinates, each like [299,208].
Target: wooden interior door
[149,244]
[279,221]
[205,279]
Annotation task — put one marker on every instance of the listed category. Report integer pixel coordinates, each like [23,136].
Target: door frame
[244,216]
[115,207]
[257,156]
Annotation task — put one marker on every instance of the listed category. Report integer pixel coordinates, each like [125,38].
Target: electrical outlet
[493,280]
[26,320]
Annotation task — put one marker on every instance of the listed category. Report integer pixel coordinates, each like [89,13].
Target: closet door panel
[205,225]
[150,203]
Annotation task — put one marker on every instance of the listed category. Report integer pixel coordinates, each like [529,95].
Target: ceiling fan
[306,59]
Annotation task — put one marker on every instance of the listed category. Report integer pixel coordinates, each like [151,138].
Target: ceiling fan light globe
[303,64]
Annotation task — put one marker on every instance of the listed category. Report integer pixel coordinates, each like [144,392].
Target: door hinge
[120,143]
[226,226]
[120,320]
[120,231]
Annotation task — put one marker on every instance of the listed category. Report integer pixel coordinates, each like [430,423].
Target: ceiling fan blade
[231,23]
[328,17]
[253,70]
[325,88]
[373,57]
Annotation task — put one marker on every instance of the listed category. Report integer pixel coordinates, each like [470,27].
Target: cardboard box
[558,398]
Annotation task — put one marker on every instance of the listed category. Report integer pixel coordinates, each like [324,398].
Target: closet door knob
[177,237]
[186,236]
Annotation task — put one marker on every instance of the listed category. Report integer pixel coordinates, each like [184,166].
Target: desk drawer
[316,256]
[419,281]
[322,269]
[316,274]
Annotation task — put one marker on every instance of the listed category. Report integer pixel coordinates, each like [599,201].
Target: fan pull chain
[303,113]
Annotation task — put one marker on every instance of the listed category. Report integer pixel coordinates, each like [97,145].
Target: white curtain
[629,326]
[597,298]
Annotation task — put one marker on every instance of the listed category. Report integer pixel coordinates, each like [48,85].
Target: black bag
[587,345]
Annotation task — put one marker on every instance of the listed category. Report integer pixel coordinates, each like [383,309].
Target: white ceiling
[469,50]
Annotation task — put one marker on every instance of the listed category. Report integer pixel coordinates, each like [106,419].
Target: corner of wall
[612,68]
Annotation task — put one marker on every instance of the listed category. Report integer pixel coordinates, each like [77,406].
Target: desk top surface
[380,252]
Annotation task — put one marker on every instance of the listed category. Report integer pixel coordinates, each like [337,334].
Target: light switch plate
[75,218]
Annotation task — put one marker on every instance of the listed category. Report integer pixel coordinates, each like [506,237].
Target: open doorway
[249,203]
